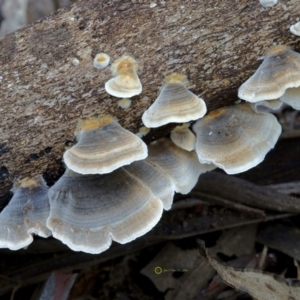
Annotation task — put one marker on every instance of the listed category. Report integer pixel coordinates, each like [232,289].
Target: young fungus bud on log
[101,61]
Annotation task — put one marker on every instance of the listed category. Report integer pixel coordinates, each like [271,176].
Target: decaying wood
[215,43]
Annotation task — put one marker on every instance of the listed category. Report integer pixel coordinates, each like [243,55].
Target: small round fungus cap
[25,214]
[103,146]
[101,61]
[87,212]
[183,137]
[174,104]
[295,29]
[235,138]
[151,176]
[267,3]
[125,83]
[182,167]
[279,71]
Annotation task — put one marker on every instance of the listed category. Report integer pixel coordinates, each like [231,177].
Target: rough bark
[42,95]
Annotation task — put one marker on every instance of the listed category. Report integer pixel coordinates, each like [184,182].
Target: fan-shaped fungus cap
[292,98]
[295,29]
[151,176]
[263,106]
[235,138]
[183,137]
[175,103]
[182,167]
[89,211]
[126,82]
[101,61]
[279,71]
[103,146]
[267,3]
[25,214]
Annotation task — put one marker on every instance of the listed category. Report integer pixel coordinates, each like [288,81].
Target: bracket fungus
[235,138]
[25,214]
[267,3]
[125,83]
[264,106]
[101,61]
[87,212]
[174,104]
[151,176]
[103,146]
[182,167]
[277,77]
[183,137]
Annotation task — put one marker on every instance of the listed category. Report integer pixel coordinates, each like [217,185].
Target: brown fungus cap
[25,214]
[103,146]
[279,71]
[235,138]
[88,212]
[174,104]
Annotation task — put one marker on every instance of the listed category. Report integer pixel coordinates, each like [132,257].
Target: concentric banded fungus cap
[182,167]
[183,137]
[235,138]
[25,214]
[175,104]
[279,71]
[126,82]
[103,146]
[101,61]
[89,211]
[151,176]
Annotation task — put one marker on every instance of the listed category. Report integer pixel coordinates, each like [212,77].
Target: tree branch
[42,95]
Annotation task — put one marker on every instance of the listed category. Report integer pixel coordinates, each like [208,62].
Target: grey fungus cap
[174,104]
[279,72]
[152,177]
[88,212]
[235,138]
[25,214]
[103,146]
[182,167]
[183,137]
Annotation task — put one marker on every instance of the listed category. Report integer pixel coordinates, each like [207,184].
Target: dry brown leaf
[257,284]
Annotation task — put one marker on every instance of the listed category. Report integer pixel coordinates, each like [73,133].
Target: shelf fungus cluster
[115,188]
